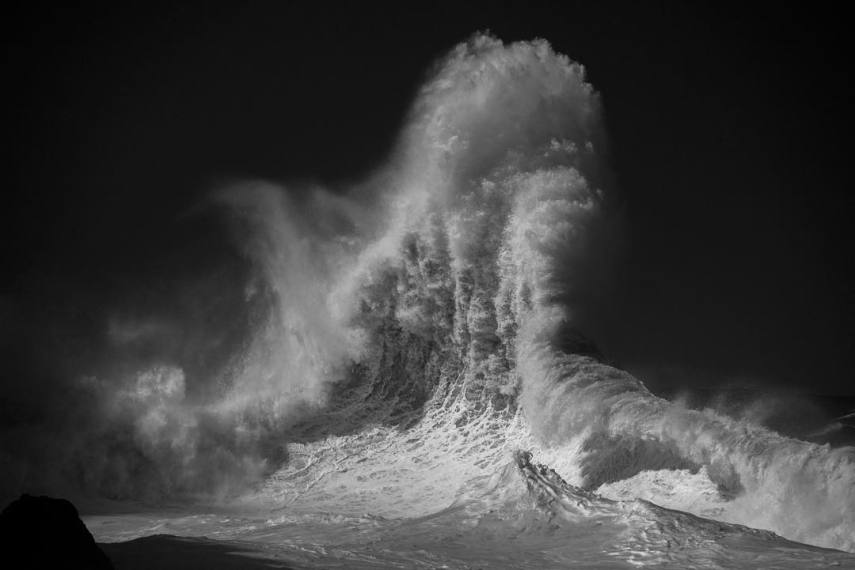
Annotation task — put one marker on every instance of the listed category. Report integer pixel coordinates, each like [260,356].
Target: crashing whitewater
[423,378]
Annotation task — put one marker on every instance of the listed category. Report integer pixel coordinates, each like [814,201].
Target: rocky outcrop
[47,533]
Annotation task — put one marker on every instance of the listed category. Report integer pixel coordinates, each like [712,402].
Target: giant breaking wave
[431,323]
[456,324]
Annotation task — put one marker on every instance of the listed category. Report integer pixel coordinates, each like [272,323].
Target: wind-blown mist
[402,340]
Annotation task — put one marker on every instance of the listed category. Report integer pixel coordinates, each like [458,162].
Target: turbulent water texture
[422,383]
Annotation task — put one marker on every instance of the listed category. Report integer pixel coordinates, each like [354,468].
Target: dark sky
[729,129]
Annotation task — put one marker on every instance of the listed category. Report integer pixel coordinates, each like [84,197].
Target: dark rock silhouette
[42,532]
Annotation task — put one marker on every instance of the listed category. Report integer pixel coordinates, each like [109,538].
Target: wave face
[428,326]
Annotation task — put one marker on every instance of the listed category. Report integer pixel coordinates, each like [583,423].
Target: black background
[729,127]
